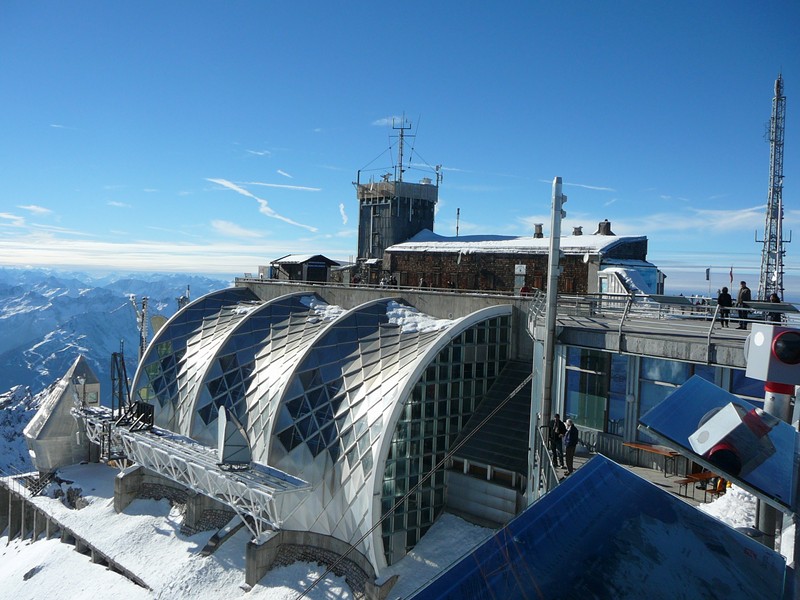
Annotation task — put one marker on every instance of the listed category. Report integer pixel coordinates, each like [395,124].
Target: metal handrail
[544,476]
[626,312]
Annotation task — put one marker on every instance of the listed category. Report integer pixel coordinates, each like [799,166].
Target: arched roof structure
[360,403]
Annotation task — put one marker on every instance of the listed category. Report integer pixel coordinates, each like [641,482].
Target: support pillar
[14,516]
[5,507]
[127,485]
[258,558]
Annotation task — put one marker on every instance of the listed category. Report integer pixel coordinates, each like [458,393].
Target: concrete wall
[286,547]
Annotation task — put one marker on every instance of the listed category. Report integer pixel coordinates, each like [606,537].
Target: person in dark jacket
[774,317]
[741,300]
[725,302]
[557,431]
[570,443]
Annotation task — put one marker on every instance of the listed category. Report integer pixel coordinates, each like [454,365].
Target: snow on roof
[298,259]
[634,282]
[411,320]
[325,311]
[427,241]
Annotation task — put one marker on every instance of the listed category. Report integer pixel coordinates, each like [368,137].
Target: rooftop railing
[663,314]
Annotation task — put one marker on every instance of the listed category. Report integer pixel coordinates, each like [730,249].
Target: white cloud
[264,205]
[38,210]
[284,173]
[589,187]
[233,230]
[14,220]
[344,214]
[118,204]
[283,186]
[143,255]
[387,121]
[260,152]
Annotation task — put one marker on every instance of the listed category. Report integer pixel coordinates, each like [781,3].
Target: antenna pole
[771,276]
[402,129]
[458,217]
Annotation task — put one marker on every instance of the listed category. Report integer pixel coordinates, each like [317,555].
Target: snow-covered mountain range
[48,317]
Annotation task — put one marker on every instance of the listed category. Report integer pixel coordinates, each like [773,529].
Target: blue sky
[216,136]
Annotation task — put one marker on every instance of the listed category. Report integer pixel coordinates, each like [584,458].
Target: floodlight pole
[553,273]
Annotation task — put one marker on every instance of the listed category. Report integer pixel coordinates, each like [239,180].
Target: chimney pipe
[577,230]
[604,228]
[537,230]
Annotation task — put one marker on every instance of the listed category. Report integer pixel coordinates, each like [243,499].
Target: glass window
[616,394]
[454,385]
[586,390]
[668,371]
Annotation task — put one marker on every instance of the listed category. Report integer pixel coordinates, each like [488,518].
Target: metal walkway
[249,492]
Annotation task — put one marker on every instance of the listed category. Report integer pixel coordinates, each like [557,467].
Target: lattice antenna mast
[771,280]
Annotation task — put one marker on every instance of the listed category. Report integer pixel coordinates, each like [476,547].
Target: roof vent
[537,230]
[604,228]
[577,230]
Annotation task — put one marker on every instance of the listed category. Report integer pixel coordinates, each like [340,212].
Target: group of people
[563,438]
[725,302]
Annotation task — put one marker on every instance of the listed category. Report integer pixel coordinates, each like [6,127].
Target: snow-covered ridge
[48,318]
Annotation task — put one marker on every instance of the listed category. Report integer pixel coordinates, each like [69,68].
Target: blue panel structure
[607,533]
[731,437]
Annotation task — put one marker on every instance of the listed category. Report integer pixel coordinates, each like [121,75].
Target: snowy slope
[48,318]
[17,407]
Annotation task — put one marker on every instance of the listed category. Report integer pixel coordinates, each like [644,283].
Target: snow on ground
[448,539]
[145,539]
[736,507]
[50,569]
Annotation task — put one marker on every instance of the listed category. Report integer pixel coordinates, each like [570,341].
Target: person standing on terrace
[725,302]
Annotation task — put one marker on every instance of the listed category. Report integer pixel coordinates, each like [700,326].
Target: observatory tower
[771,280]
[392,210]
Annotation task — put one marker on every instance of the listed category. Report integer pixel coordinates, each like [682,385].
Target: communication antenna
[141,323]
[771,276]
[404,125]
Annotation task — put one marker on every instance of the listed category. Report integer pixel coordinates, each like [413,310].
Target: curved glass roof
[251,365]
[156,379]
[360,403]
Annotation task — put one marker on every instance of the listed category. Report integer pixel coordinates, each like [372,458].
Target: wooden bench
[667,453]
[693,479]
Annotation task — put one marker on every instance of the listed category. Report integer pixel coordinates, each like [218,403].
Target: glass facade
[751,390]
[157,379]
[658,378]
[443,399]
[595,388]
[253,363]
